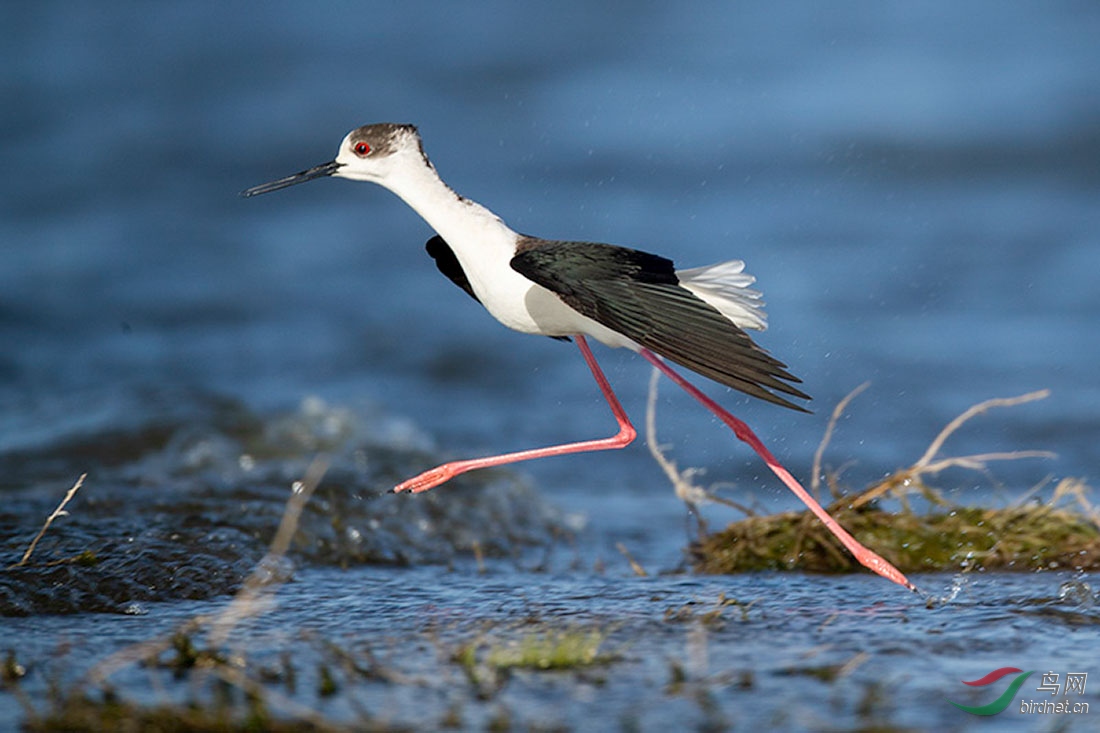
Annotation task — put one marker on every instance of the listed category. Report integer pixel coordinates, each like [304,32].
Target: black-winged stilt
[621,297]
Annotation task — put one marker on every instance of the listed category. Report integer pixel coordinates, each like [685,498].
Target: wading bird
[572,290]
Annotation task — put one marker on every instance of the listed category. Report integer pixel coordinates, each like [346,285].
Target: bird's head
[371,152]
[368,153]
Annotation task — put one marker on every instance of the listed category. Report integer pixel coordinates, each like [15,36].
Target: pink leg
[868,558]
[626,434]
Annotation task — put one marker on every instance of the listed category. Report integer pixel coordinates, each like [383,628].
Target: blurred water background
[915,187]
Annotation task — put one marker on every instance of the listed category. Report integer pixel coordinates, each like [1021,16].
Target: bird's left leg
[867,558]
[626,435]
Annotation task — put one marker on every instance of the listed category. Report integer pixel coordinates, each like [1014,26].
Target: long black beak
[317,171]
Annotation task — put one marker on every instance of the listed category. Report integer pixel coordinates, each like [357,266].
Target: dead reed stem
[58,512]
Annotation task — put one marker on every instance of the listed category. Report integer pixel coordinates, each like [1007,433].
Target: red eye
[361,149]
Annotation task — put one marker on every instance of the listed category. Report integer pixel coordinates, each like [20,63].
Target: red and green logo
[1001,702]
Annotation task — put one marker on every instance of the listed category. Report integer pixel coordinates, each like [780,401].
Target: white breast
[484,246]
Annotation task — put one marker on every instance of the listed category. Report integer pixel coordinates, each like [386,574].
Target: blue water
[916,189]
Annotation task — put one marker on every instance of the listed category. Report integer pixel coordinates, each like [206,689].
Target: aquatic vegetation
[1028,535]
[489,659]
[551,649]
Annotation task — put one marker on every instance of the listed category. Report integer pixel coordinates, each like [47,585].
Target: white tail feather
[726,287]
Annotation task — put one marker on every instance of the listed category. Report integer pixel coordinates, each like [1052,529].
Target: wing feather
[448,264]
[640,296]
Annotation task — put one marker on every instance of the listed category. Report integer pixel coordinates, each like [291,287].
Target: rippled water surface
[915,189]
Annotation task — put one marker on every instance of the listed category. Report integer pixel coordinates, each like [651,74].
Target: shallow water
[915,190]
[795,652]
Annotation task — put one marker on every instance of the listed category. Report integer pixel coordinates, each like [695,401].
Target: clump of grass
[543,649]
[1025,536]
[488,665]
[1036,536]
[554,649]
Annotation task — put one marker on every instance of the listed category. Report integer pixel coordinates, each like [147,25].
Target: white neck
[468,227]
[482,243]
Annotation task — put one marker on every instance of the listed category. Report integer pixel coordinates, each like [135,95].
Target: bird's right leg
[441,474]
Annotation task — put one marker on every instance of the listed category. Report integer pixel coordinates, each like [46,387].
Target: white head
[368,153]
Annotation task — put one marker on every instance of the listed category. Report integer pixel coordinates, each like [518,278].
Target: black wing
[639,295]
[448,264]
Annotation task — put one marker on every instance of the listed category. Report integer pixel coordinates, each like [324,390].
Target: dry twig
[1077,488]
[926,465]
[58,512]
[973,411]
[815,478]
[686,491]
[634,564]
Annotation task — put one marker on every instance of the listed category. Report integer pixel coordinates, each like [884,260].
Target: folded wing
[641,296]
